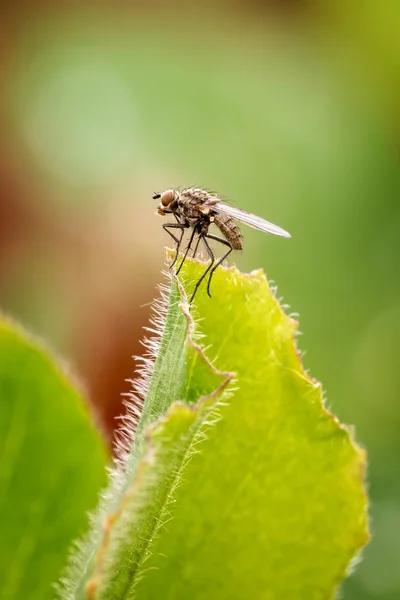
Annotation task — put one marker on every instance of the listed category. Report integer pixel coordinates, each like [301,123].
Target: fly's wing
[251,220]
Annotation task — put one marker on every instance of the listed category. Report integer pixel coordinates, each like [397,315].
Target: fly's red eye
[167,197]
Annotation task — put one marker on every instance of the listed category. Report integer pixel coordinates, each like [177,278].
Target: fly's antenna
[156,195]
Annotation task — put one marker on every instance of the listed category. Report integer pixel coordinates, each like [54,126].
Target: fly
[197,209]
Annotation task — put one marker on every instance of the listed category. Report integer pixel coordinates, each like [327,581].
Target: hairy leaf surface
[240,484]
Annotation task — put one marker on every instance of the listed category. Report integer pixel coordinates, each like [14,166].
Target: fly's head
[168,201]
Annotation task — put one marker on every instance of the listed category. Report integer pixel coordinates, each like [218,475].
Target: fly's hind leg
[221,260]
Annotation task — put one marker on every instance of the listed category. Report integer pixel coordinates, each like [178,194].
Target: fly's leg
[211,255]
[187,250]
[197,245]
[178,241]
[221,260]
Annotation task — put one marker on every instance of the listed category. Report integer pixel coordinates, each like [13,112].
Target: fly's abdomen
[230,230]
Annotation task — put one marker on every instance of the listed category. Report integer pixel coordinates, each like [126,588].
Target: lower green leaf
[52,467]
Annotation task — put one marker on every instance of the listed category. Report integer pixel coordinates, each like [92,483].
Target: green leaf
[52,467]
[240,484]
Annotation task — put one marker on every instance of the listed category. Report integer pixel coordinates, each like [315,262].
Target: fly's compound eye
[167,197]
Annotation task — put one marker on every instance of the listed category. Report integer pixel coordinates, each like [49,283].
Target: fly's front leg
[187,250]
[180,221]
[178,241]
[225,243]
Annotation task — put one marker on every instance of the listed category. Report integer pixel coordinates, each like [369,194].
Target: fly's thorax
[230,230]
[192,203]
[195,195]
[189,207]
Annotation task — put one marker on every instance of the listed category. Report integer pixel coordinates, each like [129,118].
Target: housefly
[197,209]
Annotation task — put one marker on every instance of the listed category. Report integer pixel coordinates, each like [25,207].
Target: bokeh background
[290,108]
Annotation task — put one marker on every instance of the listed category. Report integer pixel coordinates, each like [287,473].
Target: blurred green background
[289,108]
